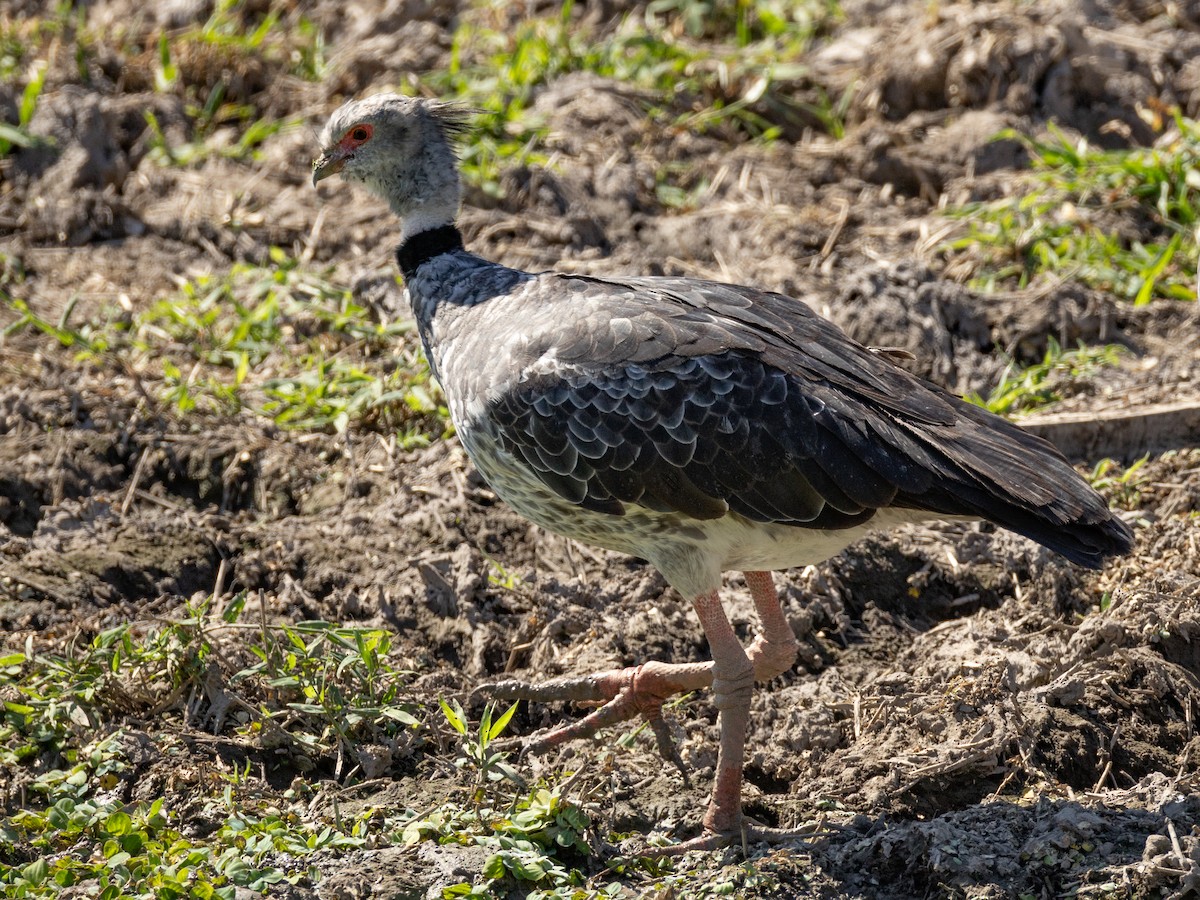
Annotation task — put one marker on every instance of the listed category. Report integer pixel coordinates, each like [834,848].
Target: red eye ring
[360,133]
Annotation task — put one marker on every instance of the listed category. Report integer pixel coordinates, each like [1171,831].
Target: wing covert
[700,436]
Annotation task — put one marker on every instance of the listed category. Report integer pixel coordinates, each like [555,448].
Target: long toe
[623,694]
[574,688]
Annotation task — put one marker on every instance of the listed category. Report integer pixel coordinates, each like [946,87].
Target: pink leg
[773,651]
[733,685]
[641,690]
[734,673]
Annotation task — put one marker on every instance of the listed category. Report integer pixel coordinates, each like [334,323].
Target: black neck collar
[425,245]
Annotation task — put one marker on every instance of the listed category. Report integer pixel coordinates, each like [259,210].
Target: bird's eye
[360,133]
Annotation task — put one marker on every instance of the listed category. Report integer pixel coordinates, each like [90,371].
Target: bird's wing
[704,398]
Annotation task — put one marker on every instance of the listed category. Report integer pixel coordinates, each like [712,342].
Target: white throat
[426,218]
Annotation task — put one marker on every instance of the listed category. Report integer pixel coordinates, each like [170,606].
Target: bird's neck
[427,230]
[426,217]
[423,246]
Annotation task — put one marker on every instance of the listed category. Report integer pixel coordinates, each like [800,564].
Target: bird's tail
[1022,483]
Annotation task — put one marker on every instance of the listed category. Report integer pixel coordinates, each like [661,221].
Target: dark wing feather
[703,398]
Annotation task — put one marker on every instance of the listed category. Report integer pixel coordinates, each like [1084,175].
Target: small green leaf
[118,823]
[1150,277]
[529,869]
[500,724]
[454,715]
[233,609]
[35,873]
[400,715]
[494,867]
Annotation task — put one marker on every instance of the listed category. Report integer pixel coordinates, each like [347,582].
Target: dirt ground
[971,716]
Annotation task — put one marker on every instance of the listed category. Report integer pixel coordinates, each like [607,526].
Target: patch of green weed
[1123,484]
[1061,219]
[86,838]
[497,67]
[331,688]
[251,135]
[1025,389]
[17,134]
[320,684]
[275,340]
[202,63]
[525,830]
[13,49]
[55,701]
[264,30]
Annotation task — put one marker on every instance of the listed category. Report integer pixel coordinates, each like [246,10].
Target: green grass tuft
[1062,221]
[17,134]
[275,341]
[730,81]
[1026,389]
[1124,484]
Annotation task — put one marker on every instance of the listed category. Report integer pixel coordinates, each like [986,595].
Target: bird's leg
[641,690]
[774,650]
[733,685]
[734,673]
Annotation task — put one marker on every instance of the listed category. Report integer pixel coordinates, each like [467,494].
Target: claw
[667,748]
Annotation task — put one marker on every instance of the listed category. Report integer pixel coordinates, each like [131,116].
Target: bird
[700,426]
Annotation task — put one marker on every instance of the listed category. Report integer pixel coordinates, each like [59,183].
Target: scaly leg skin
[641,690]
[734,675]
[624,693]
[774,650]
[733,686]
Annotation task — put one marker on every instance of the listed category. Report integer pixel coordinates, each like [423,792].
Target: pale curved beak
[328,163]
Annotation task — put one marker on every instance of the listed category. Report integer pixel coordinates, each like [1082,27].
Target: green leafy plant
[61,721]
[1024,389]
[501,577]
[332,688]
[275,340]
[251,137]
[526,843]
[84,838]
[166,73]
[91,341]
[56,699]
[527,830]
[1061,221]
[1123,484]
[488,766]
[17,135]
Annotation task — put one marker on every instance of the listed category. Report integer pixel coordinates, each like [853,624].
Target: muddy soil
[971,715]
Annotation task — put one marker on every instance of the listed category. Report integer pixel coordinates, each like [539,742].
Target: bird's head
[398,148]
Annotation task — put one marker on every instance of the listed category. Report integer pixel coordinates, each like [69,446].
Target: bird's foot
[621,694]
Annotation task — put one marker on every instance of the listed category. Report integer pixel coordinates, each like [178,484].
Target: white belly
[690,553]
